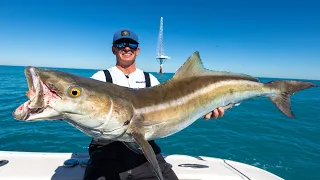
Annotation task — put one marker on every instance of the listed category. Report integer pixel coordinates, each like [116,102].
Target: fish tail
[287,88]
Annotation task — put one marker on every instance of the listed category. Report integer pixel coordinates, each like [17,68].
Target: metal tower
[160,54]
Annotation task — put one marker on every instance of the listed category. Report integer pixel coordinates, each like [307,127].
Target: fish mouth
[39,105]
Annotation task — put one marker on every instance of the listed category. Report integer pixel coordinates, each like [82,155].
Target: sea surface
[255,132]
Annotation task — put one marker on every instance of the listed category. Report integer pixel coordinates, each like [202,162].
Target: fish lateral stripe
[205,90]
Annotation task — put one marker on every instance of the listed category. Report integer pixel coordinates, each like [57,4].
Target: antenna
[160,53]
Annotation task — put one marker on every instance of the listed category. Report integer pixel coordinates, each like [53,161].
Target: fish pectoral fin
[134,147]
[149,153]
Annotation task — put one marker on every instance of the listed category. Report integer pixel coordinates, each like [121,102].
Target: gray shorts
[145,171]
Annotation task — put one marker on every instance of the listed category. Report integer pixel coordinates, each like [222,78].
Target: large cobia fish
[135,116]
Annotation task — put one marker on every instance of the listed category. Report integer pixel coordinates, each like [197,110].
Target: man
[114,160]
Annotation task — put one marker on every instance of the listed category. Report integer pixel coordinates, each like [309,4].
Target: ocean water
[255,132]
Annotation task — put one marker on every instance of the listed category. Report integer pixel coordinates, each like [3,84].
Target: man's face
[126,51]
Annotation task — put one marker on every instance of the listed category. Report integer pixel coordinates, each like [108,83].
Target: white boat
[70,166]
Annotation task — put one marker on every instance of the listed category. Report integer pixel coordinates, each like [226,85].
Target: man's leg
[99,166]
[145,171]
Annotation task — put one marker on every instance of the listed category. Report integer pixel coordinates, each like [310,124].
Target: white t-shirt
[133,80]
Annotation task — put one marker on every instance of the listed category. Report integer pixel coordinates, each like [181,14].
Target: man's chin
[127,61]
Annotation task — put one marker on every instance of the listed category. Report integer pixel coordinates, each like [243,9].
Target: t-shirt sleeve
[99,76]
[153,80]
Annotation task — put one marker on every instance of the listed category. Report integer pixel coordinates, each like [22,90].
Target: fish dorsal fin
[194,67]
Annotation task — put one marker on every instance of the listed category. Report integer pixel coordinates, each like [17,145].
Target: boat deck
[37,165]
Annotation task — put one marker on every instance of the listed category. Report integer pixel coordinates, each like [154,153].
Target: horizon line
[290,78]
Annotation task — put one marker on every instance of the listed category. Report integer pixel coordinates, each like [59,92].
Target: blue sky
[260,38]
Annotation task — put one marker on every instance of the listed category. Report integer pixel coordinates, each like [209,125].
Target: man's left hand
[219,112]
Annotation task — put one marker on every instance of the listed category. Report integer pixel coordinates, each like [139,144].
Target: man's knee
[100,166]
[166,168]
[145,171]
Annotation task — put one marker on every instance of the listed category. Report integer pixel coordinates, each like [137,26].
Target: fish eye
[74,92]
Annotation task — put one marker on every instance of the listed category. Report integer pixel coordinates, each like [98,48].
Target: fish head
[55,95]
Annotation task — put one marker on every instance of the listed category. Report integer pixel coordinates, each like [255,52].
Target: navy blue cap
[125,34]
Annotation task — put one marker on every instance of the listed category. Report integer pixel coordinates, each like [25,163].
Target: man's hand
[219,112]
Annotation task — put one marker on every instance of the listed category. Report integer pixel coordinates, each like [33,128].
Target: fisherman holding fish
[124,118]
[114,159]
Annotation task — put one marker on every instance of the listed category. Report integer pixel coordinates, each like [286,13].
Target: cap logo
[125,33]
